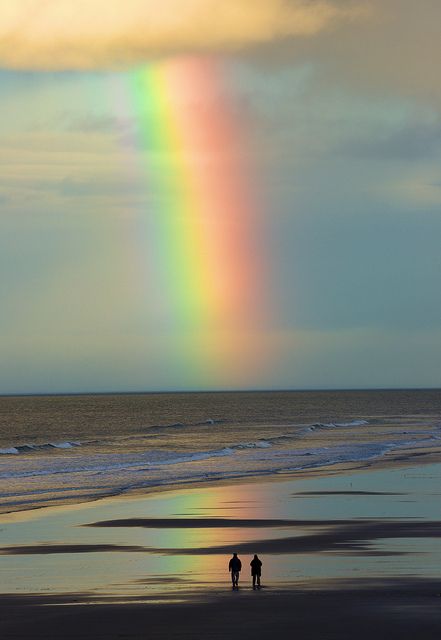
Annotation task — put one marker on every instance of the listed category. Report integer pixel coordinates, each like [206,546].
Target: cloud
[91,34]
[393,52]
[408,144]
[418,188]
[93,123]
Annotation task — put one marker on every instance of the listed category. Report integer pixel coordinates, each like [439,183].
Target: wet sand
[337,536]
[405,610]
[349,554]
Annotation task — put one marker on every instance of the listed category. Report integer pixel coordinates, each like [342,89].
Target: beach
[220,335]
[349,550]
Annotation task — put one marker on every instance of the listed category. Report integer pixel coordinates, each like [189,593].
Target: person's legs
[258,581]
[254,580]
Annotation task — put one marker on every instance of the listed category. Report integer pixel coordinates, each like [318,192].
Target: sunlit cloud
[90,34]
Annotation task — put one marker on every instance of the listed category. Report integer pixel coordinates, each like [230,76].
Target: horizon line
[225,390]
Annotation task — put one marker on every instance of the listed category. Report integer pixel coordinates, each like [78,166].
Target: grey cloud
[379,268]
[90,123]
[82,122]
[71,187]
[410,143]
[395,51]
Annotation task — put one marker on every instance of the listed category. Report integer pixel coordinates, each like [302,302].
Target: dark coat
[256,567]
[235,564]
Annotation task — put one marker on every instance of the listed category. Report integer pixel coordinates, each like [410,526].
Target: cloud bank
[96,34]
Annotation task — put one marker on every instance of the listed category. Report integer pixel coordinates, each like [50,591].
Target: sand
[350,553]
[403,610]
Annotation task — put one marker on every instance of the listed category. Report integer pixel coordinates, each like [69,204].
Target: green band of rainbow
[191,142]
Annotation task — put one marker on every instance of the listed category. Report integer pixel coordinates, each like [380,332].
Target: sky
[204,195]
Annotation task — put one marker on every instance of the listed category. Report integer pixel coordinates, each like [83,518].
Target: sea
[63,448]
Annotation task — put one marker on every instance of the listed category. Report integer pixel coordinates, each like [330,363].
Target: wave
[156,457]
[182,425]
[112,463]
[260,444]
[123,472]
[161,427]
[334,425]
[194,457]
[155,431]
[29,448]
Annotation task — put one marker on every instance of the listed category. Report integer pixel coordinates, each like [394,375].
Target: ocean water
[55,449]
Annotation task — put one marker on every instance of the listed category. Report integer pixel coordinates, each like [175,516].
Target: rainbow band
[177,221]
[191,147]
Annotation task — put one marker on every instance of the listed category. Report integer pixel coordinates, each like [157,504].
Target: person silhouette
[256,570]
[234,567]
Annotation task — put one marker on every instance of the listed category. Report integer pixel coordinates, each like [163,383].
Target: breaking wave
[30,448]
[334,425]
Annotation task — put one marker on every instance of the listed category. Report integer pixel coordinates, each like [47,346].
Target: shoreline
[395,459]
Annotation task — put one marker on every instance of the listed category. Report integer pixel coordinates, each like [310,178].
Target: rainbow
[192,145]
